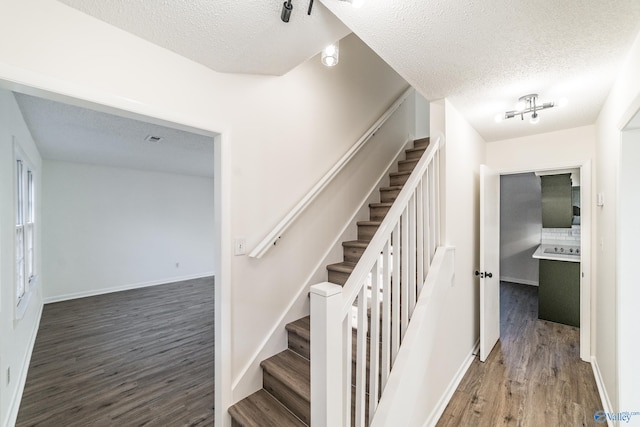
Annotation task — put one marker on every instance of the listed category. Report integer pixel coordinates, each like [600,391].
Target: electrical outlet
[240,246]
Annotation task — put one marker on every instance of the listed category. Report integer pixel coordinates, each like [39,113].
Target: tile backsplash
[561,236]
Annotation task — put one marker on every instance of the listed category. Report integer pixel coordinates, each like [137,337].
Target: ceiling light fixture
[331,55]
[527,104]
[287,7]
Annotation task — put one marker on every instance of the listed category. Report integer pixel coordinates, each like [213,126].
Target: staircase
[284,399]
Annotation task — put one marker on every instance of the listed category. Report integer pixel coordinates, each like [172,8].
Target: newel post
[326,355]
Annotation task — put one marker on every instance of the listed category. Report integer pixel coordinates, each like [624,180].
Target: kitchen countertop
[540,254]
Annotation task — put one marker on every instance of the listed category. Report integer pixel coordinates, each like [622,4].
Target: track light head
[287,7]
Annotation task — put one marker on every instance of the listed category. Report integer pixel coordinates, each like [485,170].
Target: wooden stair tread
[262,410]
[375,223]
[355,244]
[381,204]
[342,267]
[403,173]
[415,149]
[292,370]
[301,327]
[391,188]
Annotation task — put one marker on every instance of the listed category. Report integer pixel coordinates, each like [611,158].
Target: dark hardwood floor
[533,377]
[131,358]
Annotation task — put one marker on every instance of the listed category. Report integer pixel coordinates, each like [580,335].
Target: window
[25,229]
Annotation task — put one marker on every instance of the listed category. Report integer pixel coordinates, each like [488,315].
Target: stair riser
[338,278]
[421,143]
[398,180]
[388,196]
[407,166]
[296,404]
[414,154]
[366,232]
[378,213]
[299,345]
[351,254]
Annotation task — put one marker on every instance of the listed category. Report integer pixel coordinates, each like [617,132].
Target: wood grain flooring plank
[533,377]
[143,357]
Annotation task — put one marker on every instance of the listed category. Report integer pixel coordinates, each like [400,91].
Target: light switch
[240,247]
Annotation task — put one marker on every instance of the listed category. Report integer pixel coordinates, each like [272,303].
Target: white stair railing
[380,294]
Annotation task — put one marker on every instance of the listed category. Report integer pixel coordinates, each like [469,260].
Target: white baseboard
[602,390]
[17,397]
[520,281]
[95,292]
[437,412]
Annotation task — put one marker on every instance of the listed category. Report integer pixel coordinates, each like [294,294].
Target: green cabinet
[559,292]
[557,209]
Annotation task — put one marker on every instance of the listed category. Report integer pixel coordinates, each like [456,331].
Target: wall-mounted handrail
[274,235]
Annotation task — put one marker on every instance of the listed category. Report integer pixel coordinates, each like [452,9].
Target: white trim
[519,281]
[437,412]
[95,292]
[14,406]
[321,265]
[274,235]
[586,285]
[629,113]
[223,361]
[602,390]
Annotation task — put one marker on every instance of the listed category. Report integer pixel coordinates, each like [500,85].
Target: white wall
[520,227]
[629,291]
[423,116]
[533,152]
[459,331]
[107,229]
[279,135]
[621,104]
[16,336]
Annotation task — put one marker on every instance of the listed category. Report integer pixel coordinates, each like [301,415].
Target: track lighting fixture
[526,104]
[287,7]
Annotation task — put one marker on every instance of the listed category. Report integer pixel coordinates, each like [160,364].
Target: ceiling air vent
[153,138]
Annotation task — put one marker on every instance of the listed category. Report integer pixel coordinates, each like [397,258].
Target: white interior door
[489,260]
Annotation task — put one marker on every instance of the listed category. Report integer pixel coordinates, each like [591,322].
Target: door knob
[483,275]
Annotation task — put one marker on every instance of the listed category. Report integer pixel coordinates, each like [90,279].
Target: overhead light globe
[535,118]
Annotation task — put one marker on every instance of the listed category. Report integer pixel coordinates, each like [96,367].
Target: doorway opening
[128,110]
[518,255]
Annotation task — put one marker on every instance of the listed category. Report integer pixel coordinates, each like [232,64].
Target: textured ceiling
[232,36]
[484,54]
[480,54]
[70,133]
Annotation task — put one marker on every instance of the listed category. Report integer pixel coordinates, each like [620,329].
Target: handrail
[274,235]
[352,286]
